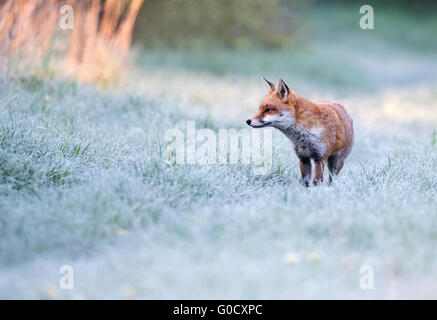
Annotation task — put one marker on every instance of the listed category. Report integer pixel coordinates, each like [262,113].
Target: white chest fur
[307,142]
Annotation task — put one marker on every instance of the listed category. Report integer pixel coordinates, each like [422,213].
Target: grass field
[84,182]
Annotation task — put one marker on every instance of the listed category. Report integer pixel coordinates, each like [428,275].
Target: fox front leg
[319,169]
[305,170]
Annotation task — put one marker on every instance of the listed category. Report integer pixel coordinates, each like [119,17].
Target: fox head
[277,109]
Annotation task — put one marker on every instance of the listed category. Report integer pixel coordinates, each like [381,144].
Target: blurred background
[309,38]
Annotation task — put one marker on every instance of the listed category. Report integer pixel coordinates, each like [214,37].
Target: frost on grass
[83,180]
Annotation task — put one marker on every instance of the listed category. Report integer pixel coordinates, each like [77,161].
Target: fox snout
[256,123]
[252,123]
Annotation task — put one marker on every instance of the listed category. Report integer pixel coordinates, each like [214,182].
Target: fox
[322,133]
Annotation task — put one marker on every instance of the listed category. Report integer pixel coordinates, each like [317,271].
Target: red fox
[320,132]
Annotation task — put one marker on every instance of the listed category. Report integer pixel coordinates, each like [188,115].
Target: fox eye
[268,110]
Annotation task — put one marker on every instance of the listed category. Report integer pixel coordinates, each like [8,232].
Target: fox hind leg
[333,166]
[336,162]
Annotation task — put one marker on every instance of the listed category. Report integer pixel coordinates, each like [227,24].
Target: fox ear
[282,89]
[270,86]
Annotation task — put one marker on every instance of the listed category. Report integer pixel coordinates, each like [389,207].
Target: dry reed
[94,49]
